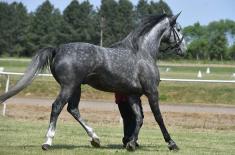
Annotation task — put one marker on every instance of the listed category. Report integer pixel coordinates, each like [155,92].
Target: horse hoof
[137,144]
[95,142]
[172,146]
[45,147]
[130,146]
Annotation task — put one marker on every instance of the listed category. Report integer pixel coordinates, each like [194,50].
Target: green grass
[14,66]
[25,137]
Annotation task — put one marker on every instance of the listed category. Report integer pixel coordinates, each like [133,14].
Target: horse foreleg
[153,98]
[74,111]
[57,107]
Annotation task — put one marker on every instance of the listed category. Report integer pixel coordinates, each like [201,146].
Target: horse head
[174,36]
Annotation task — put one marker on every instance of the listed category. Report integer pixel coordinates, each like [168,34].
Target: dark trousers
[129,119]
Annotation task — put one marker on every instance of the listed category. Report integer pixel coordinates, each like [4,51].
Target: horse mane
[146,24]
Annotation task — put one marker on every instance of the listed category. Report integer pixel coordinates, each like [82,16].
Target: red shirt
[120,98]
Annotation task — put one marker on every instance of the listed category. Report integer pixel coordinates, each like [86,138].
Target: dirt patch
[179,119]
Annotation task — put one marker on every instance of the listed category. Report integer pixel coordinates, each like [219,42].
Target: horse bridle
[177,40]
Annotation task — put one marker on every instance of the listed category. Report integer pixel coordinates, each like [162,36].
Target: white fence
[8,74]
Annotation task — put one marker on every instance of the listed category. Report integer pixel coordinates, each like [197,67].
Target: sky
[203,11]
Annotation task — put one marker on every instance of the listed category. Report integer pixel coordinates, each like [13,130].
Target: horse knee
[69,110]
[56,109]
[73,111]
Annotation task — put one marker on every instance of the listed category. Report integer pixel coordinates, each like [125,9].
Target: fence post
[6,90]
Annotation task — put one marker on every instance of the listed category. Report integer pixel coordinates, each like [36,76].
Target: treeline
[23,33]
[213,41]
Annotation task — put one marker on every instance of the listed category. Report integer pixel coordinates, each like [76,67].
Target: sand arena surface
[188,116]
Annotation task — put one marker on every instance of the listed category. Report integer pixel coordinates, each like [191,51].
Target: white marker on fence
[199,75]
[1,69]
[6,90]
[167,69]
[208,70]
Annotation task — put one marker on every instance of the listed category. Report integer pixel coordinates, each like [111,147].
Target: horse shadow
[71,147]
[104,147]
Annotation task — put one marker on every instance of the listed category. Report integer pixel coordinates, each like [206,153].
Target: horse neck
[150,42]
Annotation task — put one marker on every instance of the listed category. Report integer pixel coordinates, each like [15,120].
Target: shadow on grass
[141,147]
[105,147]
[68,147]
[72,147]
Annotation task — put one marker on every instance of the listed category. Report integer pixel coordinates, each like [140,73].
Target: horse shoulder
[148,71]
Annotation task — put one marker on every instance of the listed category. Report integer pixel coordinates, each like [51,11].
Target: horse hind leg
[72,108]
[57,107]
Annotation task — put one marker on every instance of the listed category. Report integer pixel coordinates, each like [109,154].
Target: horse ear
[174,18]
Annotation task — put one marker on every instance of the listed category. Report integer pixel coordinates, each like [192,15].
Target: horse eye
[178,28]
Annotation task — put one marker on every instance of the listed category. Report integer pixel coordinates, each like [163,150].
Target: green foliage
[121,17]
[231,52]
[210,41]
[23,33]
[125,18]
[144,8]
[13,26]
[108,12]
[44,27]
[159,8]
[198,49]
[80,24]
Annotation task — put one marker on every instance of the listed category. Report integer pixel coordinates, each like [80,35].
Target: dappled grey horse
[129,67]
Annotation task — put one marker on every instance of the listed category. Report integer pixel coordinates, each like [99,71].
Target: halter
[177,40]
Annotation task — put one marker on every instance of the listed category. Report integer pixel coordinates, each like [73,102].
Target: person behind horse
[128,116]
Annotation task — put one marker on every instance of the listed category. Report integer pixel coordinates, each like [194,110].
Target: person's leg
[129,123]
[136,109]
[128,118]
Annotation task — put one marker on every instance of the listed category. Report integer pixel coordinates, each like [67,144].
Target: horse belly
[113,84]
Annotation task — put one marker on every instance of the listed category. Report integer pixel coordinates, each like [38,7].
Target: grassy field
[196,134]
[26,136]
[170,92]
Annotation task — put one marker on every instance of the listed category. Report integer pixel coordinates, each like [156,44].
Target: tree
[194,32]
[217,46]
[198,49]
[81,22]
[14,26]
[159,8]
[124,19]
[44,27]
[231,52]
[5,18]
[87,23]
[142,9]
[108,11]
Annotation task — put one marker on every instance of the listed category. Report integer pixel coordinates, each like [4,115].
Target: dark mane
[146,24]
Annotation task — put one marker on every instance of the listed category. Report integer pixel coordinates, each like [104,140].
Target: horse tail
[42,59]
